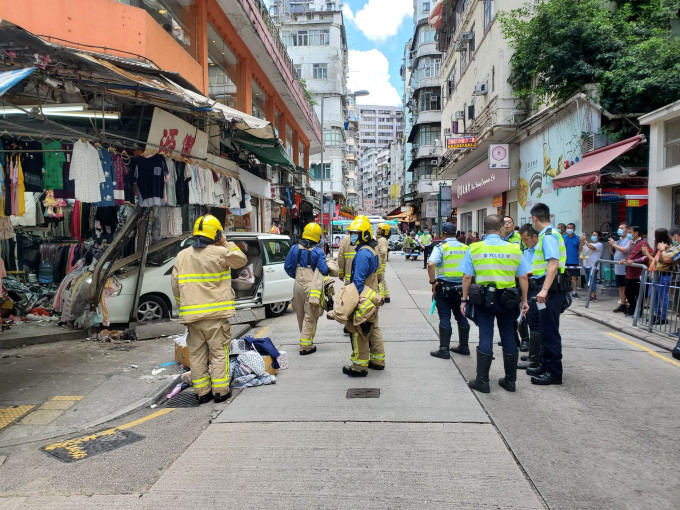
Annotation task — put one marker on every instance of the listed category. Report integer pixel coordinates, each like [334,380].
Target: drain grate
[363,393]
[185,398]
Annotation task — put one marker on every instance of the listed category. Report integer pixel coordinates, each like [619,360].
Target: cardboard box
[182,355]
[283,360]
[268,365]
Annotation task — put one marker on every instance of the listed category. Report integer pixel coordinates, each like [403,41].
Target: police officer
[510,234]
[367,343]
[533,360]
[301,262]
[550,258]
[495,263]
[426,242]
[446,278]
[201,284]
[383,233]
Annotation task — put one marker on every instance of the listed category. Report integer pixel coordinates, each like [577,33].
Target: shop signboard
[431,209]
[498,201]
[499,155]
[463,142]
[480,182]
[173,136]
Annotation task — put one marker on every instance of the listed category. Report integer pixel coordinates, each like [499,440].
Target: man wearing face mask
[550,258]
[620,250]
[572,245]
[426,243]
[635,256]
[533,360]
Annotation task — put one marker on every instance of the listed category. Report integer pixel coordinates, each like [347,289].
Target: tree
[628,48]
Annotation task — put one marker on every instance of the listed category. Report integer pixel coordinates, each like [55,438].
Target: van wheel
[276,309]
[151,308]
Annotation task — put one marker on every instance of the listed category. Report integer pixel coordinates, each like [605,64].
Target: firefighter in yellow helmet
[383,233]
[201,283]
[304,263]
[367,342]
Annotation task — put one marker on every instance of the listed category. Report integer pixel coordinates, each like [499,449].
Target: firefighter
[201,284]
[345,258]
[383,249]
[301,263]
[367,342]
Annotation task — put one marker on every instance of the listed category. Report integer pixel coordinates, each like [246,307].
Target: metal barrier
[659,302]
[643,281]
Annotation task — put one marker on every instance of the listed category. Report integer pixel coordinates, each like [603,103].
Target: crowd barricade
[609,280]
[659,302]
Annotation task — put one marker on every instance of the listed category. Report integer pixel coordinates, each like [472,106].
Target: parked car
[261,285]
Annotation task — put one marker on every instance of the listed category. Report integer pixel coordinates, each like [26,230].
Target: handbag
[652,266]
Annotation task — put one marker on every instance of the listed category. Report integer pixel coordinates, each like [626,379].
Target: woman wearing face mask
[620,250]
[662,278]
[591,254]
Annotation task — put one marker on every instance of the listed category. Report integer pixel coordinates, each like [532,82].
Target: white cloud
[369,70]
[380,19]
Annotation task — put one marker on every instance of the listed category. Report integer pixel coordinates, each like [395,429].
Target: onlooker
[662,279]
[573,246]
[635,256]
[591,254]
[620,250]
[562,228]
[469,239]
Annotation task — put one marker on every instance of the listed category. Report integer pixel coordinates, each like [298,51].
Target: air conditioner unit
[290,179]
[517,117]
[447,131]
[481,89]
[459,46]
[459,115]
[434,162]
[467,36]
[265,171]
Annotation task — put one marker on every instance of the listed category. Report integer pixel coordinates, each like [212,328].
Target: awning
[435,17]
[587,171]
[10,78]
[271,152]
[406,216]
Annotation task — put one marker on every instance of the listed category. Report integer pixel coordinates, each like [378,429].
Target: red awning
[588,169]
[435,17]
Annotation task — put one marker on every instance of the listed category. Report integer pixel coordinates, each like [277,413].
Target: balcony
[425,50]
[428,117]
[427,151]
[430,81]
[426,187]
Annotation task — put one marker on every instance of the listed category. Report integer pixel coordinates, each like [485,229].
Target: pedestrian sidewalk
[602,311]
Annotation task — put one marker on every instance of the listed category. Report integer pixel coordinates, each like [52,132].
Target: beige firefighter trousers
[307,314]
[366,348]
[209,336]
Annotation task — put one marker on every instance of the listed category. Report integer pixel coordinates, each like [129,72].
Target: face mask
[620,232]
[629,237]
[570,231]
[353,238]
[593,238]
[675,243]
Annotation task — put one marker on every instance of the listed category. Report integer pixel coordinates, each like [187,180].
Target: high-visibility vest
[425,239]
[515,238]
[540,265]
[452,255]
[495,264]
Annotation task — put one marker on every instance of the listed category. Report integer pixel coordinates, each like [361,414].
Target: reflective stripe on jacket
[383,248]
[201,281]
[452,256]
[495,264]
[346,254]
[540,265]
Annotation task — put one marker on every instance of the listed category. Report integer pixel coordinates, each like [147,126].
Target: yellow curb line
[646,349]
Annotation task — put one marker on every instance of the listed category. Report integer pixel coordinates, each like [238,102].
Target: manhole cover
[73,450]
[186,398]
[363,393]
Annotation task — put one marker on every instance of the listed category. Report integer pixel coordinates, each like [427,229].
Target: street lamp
[358,93]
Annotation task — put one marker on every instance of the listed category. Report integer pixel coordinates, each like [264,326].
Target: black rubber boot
[510,364]
[222,398]
[204,399]
[534,358]
[444,344]
[463,337]
[481,383]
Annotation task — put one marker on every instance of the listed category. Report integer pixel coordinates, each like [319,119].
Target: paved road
[606,439]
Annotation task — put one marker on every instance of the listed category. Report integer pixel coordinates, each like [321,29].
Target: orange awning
[587,170]
[435,17]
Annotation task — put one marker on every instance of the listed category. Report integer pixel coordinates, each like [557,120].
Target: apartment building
[379,125]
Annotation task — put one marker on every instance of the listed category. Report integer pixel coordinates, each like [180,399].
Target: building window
[672,143]
[320,71]
[298,70]
[428,134]
[426,7]
[426,35]
[429,100]
[301,38]
[451,84]
[326,171]
[488,13]
[333,137]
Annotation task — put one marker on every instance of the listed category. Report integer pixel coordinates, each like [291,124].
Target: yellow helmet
[208,226]
[384,229]
[362,226]
[312,232]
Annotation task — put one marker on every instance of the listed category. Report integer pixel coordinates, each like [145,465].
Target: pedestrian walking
[550,258]
[304,262]
[592,252]
[383,249]
[426,244]
[572,244]
[635,256]
[367,343]
[619,249]
[446,281]
[495,264]
[201,284]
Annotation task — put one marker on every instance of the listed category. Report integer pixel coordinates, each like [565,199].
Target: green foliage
[308,94]
[627,47]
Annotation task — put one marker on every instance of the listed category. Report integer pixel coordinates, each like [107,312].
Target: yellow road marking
[9,414]
[655,354]
[262,332]
[68,397]
[73,445]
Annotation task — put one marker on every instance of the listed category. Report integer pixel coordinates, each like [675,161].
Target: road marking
[82,447]
[9,414]
[68,397]
[655,354]
[262,332]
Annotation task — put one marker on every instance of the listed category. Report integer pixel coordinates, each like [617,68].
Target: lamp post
[358,93]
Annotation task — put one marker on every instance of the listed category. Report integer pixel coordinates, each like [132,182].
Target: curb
[628,331]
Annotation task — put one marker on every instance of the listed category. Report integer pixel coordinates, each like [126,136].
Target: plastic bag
[246,274]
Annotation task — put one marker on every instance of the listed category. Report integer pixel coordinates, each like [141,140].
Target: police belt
[447,290]
[561,283]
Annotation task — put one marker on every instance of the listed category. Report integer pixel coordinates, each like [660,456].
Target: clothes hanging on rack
[86,171]
[106,187]
[170,192]
[6,230]
[53,163]
[150,175]
[69,187]
[181,184]
[120,171]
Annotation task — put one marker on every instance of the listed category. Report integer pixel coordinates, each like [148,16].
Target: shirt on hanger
[32,167]
[120,171]
[87,173]
[106,187]
[150,174]
[53,163]
[170,194]
[69,187]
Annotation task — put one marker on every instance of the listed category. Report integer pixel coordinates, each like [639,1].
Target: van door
[277,285]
